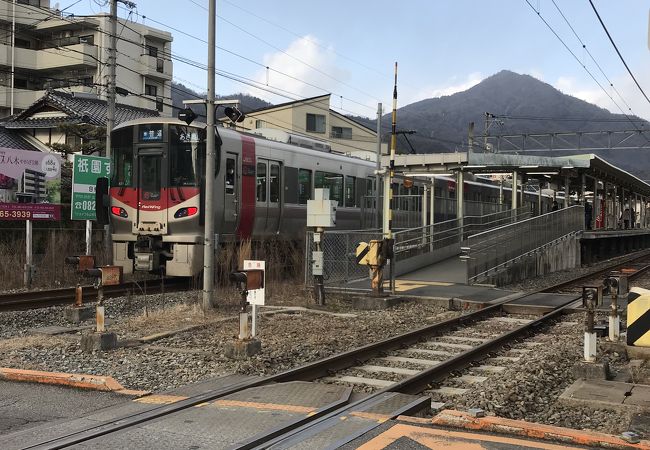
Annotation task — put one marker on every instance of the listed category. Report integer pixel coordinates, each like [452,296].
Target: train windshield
[186,151]
[122,155]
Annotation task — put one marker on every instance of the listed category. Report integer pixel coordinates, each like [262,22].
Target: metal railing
[491,250]
[441,240]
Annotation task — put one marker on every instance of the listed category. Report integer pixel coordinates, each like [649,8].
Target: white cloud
[311,69]
[624,85]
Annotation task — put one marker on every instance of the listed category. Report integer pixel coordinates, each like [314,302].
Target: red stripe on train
[247,210]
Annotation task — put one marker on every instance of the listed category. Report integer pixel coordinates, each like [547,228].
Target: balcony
[69,57]
[25,15]
[155,68]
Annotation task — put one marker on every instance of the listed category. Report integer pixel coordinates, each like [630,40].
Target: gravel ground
[287,341]
[529,389]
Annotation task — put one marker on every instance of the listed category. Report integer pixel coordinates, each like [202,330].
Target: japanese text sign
[84,177]
[256,296]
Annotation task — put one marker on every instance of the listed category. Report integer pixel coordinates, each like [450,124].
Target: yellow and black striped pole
[638,317]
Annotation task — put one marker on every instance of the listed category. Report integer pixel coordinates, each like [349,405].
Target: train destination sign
[84,177]
[30,185]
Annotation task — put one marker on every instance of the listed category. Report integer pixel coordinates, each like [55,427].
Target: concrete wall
[562,255]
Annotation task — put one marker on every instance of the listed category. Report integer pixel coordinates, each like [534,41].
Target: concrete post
[501,195]
[460,206]
[539,198]
[432,211]
[595,206]
[614,319]
[567,191]
[590,344]
[513,192]
[425,205]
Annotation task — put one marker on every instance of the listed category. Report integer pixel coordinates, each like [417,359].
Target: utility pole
[110,111]
[210,164]
[470,138]
[378,175]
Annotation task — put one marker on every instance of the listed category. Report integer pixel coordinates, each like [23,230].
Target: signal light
[117,211]
[186,212]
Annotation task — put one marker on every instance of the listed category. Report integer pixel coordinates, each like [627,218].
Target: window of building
[86,81]
[315,123]
[370,183]
[261,182]
[20,83]
[73,141]
[88,39]
[341,133]
[160,65]
[150,89]
[152,51]
[331,181]
[260,123]
[30,2]
[22,43]
[159,104]
[304,186]
[350,189]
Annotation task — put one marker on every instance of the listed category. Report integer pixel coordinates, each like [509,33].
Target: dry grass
[42,341]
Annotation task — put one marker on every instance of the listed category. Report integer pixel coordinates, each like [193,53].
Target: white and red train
[262,187]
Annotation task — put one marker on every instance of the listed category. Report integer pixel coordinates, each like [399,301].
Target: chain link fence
[339,254]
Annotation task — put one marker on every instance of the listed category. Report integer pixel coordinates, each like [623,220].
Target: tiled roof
[78,109]
[13,139]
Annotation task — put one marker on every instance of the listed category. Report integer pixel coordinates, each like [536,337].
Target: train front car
[155,196]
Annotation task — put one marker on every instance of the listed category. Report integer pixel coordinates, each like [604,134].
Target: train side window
[230,176]
[331,181]
[261,182]
[274,184]
[304,186]
[350,188]
[369,187]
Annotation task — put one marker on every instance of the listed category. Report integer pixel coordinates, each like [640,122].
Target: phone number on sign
[15,214]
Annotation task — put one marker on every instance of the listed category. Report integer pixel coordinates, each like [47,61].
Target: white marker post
[255,296]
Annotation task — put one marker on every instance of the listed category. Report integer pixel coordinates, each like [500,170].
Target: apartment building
[55,51]
[312,117]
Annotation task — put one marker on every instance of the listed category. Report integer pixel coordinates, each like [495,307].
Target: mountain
[247,103]
[441,124]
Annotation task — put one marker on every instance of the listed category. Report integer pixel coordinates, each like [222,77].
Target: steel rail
[327,366]
[63,296]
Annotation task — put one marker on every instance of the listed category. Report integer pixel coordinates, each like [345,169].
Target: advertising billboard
[30,185]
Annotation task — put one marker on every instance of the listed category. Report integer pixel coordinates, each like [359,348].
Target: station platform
[279,416]
[432,283]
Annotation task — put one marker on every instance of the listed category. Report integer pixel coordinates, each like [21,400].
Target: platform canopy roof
[551,167]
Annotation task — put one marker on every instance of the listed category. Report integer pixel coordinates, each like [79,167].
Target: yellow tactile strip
[81,381]
[521,428]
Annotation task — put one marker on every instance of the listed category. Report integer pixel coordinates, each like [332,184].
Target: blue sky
[348,48]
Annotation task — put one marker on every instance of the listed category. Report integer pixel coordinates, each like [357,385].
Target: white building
[53,51]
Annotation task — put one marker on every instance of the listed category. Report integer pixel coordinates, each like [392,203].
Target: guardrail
[418,247]
[491,250]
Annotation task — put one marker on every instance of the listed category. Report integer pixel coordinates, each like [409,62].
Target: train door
[268,193]
[231,193]
[152,204]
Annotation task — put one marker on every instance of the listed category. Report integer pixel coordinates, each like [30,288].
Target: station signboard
[30,185]
[86,170]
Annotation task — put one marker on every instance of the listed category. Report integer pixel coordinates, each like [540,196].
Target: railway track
[63,296]
[439,349]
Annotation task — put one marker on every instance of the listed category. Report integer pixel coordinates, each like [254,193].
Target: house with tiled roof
[40,123]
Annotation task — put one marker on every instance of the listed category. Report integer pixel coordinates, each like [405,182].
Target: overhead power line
[617,51]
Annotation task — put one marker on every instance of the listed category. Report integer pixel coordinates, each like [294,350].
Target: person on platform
[588,214]
[555,206]
[626,218]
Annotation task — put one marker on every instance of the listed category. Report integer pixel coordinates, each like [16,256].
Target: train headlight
[117,211]
[186,212]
